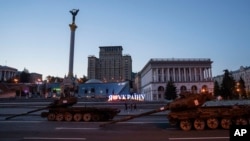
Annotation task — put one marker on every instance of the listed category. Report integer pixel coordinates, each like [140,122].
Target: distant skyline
[35,34]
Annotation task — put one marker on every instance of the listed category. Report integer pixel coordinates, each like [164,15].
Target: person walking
[135,106]
[126,106]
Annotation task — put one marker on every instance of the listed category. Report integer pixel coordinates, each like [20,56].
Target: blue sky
[35,34]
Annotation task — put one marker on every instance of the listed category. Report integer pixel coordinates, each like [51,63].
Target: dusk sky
[35,34]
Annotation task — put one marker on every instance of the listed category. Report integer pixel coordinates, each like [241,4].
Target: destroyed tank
[196,111]
[63,110]
[200,111]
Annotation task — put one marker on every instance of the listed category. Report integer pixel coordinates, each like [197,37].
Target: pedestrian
[135,106]
[126,106]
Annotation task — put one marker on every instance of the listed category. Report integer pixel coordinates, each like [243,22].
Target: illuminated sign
[138,97]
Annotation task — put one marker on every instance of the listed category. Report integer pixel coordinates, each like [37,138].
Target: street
[153,127]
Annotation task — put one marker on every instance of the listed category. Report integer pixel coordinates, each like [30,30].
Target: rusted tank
[195,111]
[63,110]
[211,115]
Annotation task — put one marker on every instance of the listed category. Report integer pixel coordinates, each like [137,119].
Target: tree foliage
[25,77]
[170,92]
[217,91]
[227,86]
[53,79]
[242,88]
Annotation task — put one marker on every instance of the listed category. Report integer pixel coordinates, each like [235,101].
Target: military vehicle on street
[199,112]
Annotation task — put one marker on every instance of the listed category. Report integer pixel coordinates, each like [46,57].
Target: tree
[53,79]
[25,77]
[227,86]
[83,79]
[217,91]
[170,92]
[242,88]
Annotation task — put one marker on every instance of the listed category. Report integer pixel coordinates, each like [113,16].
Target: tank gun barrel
[23,114]
[164,108]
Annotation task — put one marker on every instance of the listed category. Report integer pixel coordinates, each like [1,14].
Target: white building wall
[242,72]
[187,73]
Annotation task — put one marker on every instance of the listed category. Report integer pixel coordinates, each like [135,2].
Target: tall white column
[190,74]
[206,74]
[157,75]
[163,75]
[179,73]
[154,75]
[168,77]
[195,74]
[4,76]
[174,75]
[72,42]
[201,73]
[185,75]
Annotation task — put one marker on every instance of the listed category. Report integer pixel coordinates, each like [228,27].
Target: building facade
[242,72]
[36,78]
[188,75]
[97,89]
[7,73]
[111,66]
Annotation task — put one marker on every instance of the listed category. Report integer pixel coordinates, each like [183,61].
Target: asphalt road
[22,130]
[149,128]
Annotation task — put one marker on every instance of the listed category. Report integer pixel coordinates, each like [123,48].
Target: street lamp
[16,80]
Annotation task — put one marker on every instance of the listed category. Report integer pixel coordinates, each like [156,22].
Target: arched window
[183,89]
[160,92]
[194,89]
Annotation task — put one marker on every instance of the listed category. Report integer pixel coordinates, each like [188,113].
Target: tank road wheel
[77,117]
[68,116]
[225,123]
[96,117]
[212,123]
[87,117]
[241,121]
[185,125]
[199,124]
[51,116]
[59,117]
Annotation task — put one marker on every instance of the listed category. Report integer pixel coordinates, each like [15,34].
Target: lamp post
[16,80]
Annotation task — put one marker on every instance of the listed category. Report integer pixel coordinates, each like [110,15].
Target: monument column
[72,42]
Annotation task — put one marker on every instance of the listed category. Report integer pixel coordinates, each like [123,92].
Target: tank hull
[77,114]
[212,117]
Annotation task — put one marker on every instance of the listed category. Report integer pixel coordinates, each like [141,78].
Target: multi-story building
[7,73]
[36,78]
[111,66]
[242,72]
[188,75]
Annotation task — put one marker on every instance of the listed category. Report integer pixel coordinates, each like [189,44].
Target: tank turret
[189,101]
[64,102]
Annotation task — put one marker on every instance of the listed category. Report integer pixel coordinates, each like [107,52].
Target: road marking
[65,128]
[199,138]
[47,138]
[141,122]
